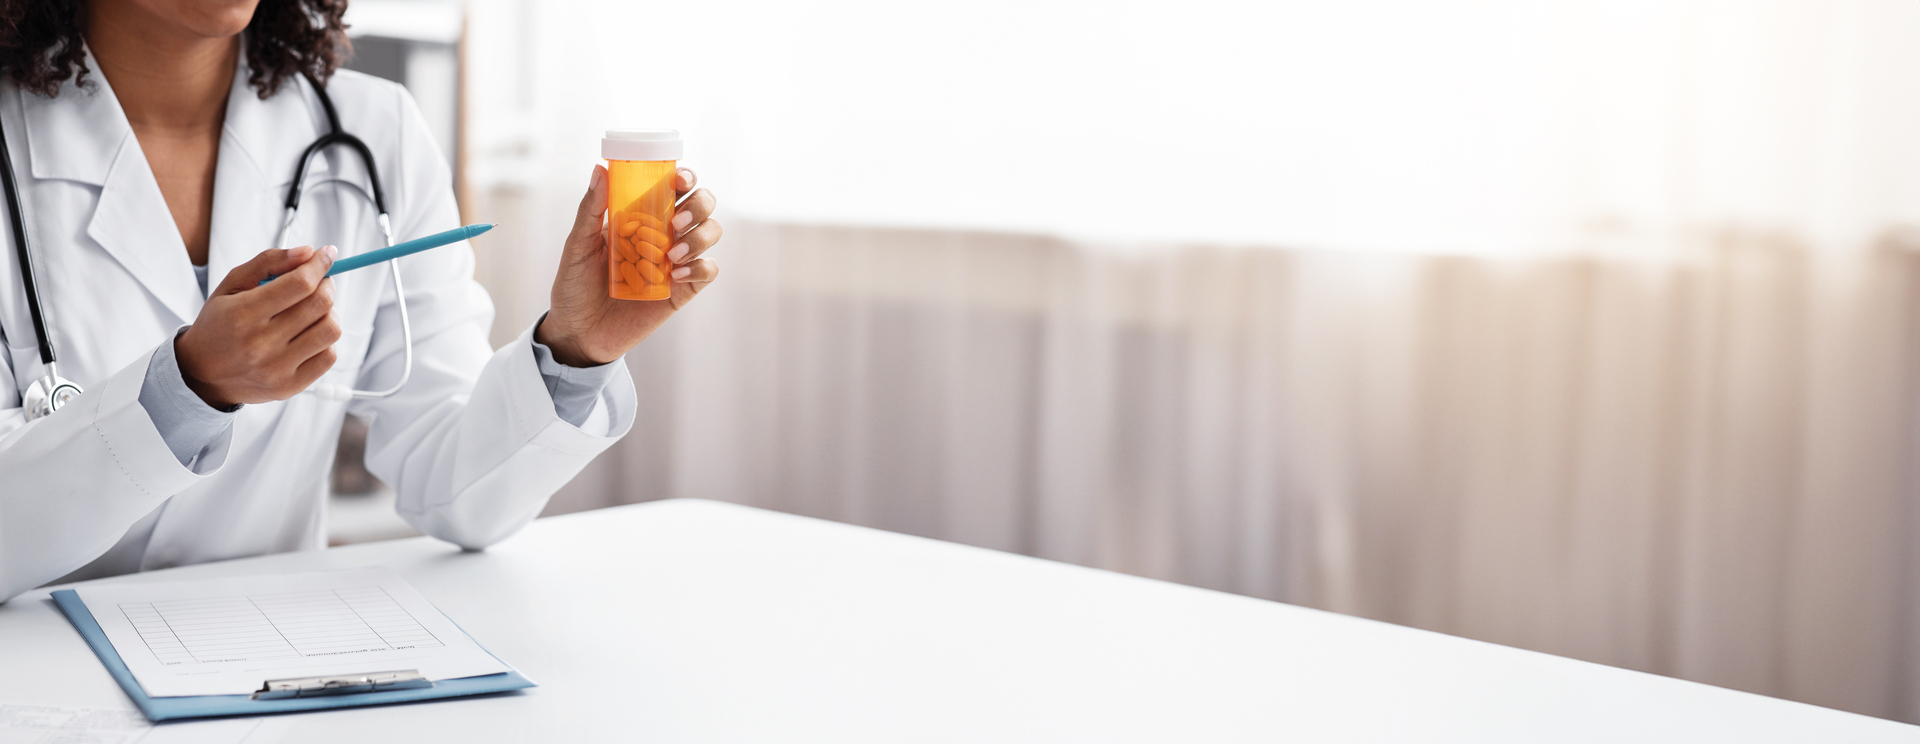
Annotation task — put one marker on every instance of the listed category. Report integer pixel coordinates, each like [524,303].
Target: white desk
[686,621]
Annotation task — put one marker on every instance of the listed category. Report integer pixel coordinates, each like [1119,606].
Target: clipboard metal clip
[348,684]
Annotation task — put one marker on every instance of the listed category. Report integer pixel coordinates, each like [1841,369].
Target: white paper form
[227,636]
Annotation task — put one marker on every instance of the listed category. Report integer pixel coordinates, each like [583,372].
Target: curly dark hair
[42,43]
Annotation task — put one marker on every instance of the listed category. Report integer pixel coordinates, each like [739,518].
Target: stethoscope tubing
[294,190]
[28,278]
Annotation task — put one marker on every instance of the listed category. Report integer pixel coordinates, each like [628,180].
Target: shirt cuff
[186,423]
[574,389]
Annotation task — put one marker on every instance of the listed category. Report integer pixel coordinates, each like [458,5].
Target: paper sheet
[22,723]
[227,636]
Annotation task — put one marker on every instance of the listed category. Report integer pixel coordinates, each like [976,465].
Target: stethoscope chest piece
[48,394]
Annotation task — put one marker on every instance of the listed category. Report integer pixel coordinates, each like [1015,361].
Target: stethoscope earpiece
[329,391]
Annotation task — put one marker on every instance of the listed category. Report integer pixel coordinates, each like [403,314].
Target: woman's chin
[208,20]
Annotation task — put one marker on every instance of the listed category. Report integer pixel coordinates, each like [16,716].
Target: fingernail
[686,177]
[678,253]
[682,220]
[682,272]
[332,253]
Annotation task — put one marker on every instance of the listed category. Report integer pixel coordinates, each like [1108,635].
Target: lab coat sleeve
[472,445]
[186,422]
[77,479]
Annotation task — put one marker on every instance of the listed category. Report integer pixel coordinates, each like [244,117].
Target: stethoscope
[48,393]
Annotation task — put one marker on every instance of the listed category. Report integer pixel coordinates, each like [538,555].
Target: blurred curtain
[1699,468]
[1614,359]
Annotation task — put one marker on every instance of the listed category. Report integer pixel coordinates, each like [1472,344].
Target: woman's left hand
[585,327]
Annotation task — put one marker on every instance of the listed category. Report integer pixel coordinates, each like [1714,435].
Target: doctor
[153,142]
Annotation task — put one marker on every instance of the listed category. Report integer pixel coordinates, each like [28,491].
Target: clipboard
[281,696]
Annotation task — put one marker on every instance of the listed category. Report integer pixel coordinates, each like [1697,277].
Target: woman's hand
[255,343]
[587,328]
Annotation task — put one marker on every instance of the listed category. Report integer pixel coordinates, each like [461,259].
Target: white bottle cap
[641,144]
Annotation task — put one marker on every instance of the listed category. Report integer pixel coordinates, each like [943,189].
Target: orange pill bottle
[640,168]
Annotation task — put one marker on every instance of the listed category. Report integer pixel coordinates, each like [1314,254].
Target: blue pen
[407,248]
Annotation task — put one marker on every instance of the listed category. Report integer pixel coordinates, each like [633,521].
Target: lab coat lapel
[261,143]
[83,135]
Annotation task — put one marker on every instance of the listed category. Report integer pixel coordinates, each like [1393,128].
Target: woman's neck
[166,78]
[172,83]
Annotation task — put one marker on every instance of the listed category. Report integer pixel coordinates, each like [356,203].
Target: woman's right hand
[256,343]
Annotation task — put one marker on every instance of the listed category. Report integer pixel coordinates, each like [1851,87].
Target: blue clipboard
[202,706]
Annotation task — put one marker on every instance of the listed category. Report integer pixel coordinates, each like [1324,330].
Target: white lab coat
[471,445]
